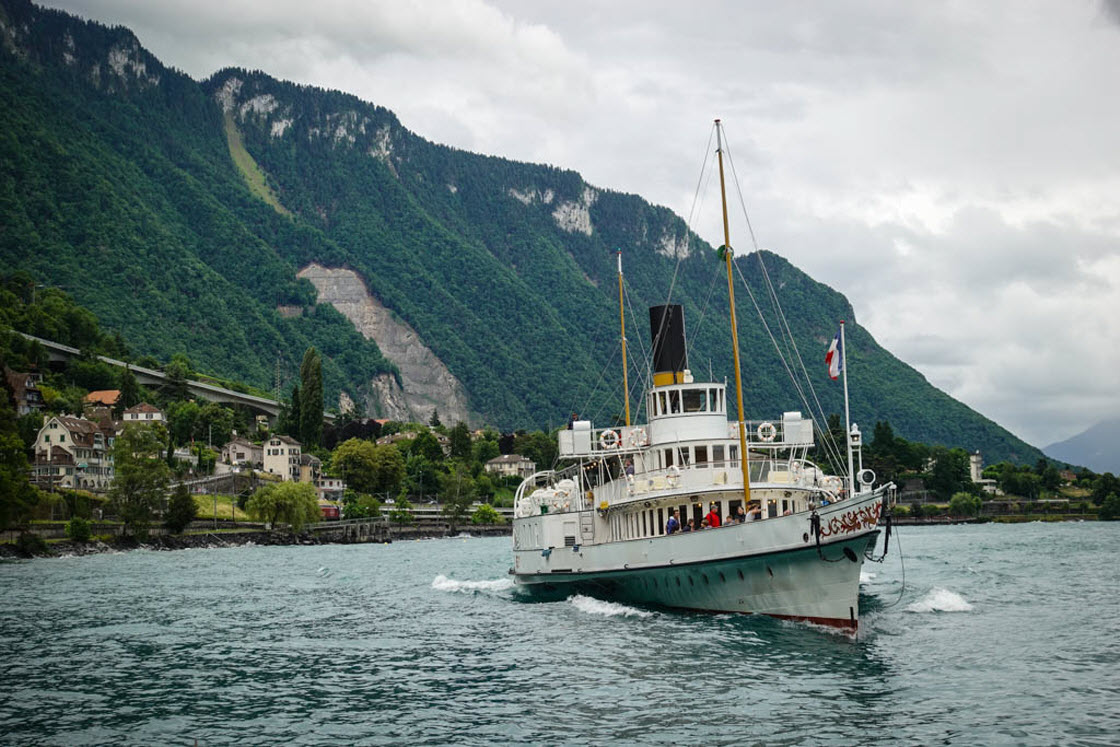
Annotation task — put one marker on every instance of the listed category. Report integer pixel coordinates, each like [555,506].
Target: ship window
[722,407]
[675,401]
[668,458]
[785,505]
[694,400]
[685,456]
[661,521]
[717,455]
[733,455]
[644,532]
[661,399]
[733,508]
[713,400]
[701,456]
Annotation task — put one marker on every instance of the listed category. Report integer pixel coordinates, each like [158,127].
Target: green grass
[205,504]
[254,176]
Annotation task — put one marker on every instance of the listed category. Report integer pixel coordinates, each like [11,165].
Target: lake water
[1002,635]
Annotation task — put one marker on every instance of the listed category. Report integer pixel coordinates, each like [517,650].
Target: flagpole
[847,414]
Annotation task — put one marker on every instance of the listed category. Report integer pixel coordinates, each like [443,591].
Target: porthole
[705,577]
[740,575]
[678,581]
[771,572]
[721,578]
[691,582]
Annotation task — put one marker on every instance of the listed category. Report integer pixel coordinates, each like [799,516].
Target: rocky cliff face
[426,384]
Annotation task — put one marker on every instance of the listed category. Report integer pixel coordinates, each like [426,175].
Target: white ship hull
[772,567]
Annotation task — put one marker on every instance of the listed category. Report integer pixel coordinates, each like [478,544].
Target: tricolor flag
[835,358]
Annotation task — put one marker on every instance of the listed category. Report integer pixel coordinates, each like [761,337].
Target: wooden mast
[622,319]
[725,252]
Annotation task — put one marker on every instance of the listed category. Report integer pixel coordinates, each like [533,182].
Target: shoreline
[209,540]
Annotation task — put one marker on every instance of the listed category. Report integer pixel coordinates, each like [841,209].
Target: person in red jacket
[712,517]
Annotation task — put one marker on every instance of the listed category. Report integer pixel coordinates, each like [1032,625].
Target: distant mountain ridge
[1098,448]
[183,213]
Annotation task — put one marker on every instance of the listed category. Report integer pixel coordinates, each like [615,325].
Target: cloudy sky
[950,167]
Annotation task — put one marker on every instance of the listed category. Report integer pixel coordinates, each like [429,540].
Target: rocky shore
[199,540]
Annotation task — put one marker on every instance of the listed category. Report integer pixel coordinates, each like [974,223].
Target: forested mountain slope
[118,182]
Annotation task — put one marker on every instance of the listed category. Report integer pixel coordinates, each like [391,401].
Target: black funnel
[666,325]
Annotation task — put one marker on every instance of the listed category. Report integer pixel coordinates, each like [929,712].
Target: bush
[78,529]
[485,514]
[931,509]
[901,510]
[181,510]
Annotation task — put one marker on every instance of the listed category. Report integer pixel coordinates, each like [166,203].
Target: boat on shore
[694,511]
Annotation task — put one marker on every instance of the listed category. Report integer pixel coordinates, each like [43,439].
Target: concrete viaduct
[151,377]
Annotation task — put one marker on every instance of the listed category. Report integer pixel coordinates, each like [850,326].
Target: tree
[311,399]
[460,437]
[950,472]
[140,484]
[17,496]
[487,514]
[289,422]
[355,461]
[457,493]
[485,449]
[964,504]
[401,512]
[1110,508]
[178,373]
[130,391]
[215,424]
[484,487]
[426,445]
[183,421]
[181,510]
[360,506]
[434,420]
[292,503]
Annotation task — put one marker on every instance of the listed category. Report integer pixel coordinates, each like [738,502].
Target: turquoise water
[1003,635]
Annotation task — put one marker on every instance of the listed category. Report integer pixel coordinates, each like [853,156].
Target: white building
[511,464]
[282,457]
[143,413]
[74,452]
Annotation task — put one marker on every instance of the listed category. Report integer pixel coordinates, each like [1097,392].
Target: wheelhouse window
[717,455]
[674,401]
[695,400]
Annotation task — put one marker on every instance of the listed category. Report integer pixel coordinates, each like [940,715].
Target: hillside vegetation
[117,183]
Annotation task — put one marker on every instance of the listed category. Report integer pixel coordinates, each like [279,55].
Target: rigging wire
[832,448]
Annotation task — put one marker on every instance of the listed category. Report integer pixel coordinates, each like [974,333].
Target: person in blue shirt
[674,523]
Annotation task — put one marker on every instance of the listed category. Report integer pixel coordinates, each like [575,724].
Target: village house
[73,452]
[243,452]
[510,465]
[142,413]
[282,457]
[25,391]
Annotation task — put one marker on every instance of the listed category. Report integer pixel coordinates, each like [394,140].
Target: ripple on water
[429,642]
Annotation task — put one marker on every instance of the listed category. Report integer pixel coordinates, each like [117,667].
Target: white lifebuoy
[767,432]
[674,473]
[608,439]
[638,437]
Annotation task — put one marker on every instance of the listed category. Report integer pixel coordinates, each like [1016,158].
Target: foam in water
[940,600]
[607,609]
[865,577]
[443,583]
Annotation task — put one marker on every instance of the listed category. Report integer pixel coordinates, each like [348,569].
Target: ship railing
[799,473]
[782,433]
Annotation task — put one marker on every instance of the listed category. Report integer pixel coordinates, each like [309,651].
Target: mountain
[1097,448]
[241,219]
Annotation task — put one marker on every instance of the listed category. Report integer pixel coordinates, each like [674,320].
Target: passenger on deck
[755,513]
[712,518]
[674,523]
[704,523]
[690,527]
[741,515]
[630,467]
